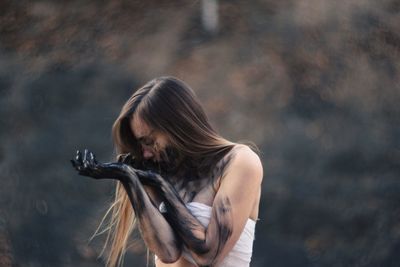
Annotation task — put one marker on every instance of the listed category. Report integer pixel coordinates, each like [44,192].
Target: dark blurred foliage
[314,83]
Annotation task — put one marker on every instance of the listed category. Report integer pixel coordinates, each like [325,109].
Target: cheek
[159,147]
[161,144]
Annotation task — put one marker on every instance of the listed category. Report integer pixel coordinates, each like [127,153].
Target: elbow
[204,261]
[169,260]
[201,255]
[205,256]
[170,257]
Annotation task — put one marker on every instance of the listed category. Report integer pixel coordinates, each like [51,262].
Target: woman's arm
[156,231]
[241,179]
[151,191]
[238,191]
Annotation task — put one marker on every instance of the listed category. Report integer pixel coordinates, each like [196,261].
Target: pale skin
[234,196]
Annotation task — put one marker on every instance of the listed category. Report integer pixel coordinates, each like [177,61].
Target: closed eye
[146,141]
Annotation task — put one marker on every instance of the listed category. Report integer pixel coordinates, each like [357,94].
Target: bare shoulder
[247,161]
[243,161]
[243,151]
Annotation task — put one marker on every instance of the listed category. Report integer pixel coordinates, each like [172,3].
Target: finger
[92,158]
[86,155]
[122,158]
[127,158]
[85,159]
[78,156]
[77,165]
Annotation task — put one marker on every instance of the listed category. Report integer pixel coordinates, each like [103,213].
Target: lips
[147,153]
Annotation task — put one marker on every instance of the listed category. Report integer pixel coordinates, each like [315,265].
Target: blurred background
[314,83]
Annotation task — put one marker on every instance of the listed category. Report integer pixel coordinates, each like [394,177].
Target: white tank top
[240,255]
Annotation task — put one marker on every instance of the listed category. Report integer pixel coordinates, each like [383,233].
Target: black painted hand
[87,165]
[129,160]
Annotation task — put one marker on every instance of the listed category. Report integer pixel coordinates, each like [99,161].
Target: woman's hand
[146,176]
[87,165]
[155,229]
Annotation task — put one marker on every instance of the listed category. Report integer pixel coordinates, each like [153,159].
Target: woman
[194,195]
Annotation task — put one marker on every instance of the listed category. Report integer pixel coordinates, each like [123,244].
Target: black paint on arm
[163,234]
[155,229]
[205,243]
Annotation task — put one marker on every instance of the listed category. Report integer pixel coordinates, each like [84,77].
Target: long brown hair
[168,105]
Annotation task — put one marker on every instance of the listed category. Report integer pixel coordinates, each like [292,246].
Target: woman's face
[152,142]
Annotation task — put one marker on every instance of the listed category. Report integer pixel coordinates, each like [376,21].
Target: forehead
[138,127]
